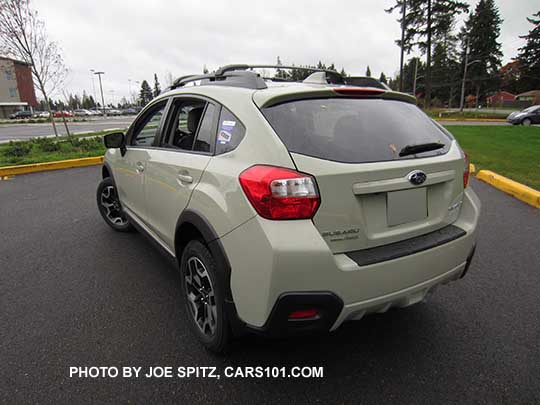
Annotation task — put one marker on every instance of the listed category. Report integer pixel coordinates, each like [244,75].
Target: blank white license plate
[406,206]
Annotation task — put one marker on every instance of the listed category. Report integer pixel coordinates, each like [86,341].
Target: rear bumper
[270,259]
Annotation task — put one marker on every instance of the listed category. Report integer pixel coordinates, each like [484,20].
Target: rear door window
[354,130]
[207,130]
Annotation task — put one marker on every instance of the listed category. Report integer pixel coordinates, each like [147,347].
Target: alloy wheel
[200,295]
[111,205]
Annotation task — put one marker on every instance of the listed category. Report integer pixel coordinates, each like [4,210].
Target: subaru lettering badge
[417,177]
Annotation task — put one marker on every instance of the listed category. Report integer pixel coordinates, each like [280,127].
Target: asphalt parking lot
[26,131]
[75,293]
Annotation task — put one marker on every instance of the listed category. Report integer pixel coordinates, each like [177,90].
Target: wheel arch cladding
[106,171]
[193,225]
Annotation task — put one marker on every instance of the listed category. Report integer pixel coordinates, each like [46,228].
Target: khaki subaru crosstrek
[291,207]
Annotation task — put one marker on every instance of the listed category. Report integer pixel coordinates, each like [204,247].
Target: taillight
[466,171]
[278,193]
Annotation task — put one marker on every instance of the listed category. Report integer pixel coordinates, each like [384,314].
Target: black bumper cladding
[406,247]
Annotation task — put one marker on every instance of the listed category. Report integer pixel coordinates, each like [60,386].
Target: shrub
[88,144]
[18,149]
[46,144]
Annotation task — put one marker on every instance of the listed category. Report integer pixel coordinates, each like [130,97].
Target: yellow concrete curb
[518,190]
[472,168]
[472,119]
[41,167]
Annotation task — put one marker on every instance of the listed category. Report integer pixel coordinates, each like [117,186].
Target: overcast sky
[133,39]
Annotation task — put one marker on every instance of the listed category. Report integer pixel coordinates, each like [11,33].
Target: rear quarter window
[354,130]
[230,132]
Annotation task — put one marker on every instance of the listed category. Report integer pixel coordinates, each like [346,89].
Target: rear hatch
[385,171]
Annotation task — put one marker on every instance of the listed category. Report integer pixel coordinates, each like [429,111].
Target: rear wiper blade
[419,148]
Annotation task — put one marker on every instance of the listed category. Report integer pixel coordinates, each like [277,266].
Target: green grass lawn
[51,149]
[438,113]
[511,151]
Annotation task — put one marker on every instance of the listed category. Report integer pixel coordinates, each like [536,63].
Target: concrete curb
[472,119]
[515,189]
[41,167]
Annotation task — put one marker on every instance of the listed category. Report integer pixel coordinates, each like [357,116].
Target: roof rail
[240,75]
[250,80]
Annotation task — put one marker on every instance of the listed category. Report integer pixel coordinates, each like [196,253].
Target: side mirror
[115,140]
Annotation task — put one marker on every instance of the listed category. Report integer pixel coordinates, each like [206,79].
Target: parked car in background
[21,115]
[114,112]
[81,112]
[59,114]
[528,116]
[129,111]
[42,114]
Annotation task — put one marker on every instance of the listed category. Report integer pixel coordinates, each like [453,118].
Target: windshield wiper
[419,148]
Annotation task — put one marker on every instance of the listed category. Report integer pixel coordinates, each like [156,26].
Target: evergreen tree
[446,77]
[282,74]
[511,78]
[145,95]
[368,72]
[157,87]
[205,70]
[480,33]
[343,73]
[382,78]
[427,22]
[529,56]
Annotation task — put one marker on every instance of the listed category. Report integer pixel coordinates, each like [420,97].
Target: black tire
[218,338]
[110,207]
[527,122]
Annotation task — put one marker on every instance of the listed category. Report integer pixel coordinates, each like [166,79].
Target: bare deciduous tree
[23,36]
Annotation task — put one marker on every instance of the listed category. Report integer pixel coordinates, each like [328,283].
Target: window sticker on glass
[225,132]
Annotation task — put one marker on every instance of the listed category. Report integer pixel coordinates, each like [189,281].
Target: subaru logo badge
[417,177]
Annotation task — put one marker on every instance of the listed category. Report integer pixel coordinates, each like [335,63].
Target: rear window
[354,130]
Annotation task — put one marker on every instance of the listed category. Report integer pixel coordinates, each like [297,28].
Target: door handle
[184,178]
[139,167]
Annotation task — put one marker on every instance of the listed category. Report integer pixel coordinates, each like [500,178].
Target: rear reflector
[359,91]
[279,193]
[304,314]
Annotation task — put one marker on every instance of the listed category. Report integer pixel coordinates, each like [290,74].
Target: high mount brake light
[466,171]
[359,91]
[279,193]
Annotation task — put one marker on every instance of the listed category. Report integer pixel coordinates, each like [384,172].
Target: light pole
[467,64]
[404,9]
[112,96]
[101,89]
[93,85]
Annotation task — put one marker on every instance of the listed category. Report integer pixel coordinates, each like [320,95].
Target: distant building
[532,97]
[500,98]
[16,87]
